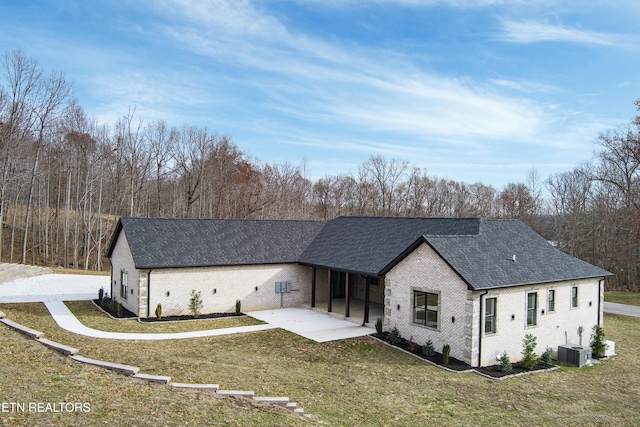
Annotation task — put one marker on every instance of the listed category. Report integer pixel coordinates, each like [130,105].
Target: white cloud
[525,32]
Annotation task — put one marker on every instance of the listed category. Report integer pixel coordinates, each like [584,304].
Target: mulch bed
[454,364]
[458,365]
[126,314]
[189,317]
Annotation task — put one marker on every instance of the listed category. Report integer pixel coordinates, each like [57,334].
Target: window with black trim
[551,300]
[425,308]
[124,284]
[490,316]
[574,297]
[532,309]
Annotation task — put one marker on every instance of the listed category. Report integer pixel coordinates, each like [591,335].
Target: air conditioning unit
[573,354]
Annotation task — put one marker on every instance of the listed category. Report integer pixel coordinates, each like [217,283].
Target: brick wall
[424,270]
[220,287]
[552,329]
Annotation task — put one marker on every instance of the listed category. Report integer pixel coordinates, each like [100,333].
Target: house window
[490,316]
[532,309]
[551,301]
[425,309]
[574,297]
[124,284]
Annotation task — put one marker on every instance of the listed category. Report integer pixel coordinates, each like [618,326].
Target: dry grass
[359,382]
[89,315]
[622,297]
[32,373]
[62,270]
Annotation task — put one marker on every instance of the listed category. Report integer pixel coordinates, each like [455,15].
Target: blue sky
[478,90]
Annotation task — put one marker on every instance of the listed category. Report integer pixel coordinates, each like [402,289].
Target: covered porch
[356,297]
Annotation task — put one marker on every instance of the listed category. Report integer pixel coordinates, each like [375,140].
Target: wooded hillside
[66,178]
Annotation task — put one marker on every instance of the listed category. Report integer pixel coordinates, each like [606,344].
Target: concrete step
[153,378]
[213,387]
[299,411]
[237,393]
[291,405]
[20,328]
[64,349]
[123,369]
[282,401]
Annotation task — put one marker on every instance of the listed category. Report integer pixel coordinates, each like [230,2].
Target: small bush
[159,311]
[379,326]
[446,352]
[195,303]
[505,363]
[530,359]
[238,306]
[100,295]
[120,310]
[598,344]
[428,349]
[546,359]
[412,345]
[113,306]
[394,336]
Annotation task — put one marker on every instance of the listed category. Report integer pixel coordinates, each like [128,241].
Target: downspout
[600,283]
[480,329]
[149,294]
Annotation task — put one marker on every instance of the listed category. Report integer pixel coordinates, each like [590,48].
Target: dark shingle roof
[479,251]
[368,244]
[164,243]
[486,261]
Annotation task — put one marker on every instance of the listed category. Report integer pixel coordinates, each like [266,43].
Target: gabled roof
[367,245]
[480,251]
[171,243]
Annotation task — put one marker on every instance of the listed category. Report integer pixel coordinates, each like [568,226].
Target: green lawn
[360,382]
[621,297]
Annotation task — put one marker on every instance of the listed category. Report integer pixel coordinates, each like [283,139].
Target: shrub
[546,359]
[428,349]
[238,306]
[379,326]
[598,344]
[113,306]
[505,363]
[195,303]
[159,311]
[530,358]
[120,310]
[100,296]
[394,336]
[446,352]
[412,345]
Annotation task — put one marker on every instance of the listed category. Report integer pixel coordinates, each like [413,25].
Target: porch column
[313,287]
[330,291]
[366,301]
[347,296]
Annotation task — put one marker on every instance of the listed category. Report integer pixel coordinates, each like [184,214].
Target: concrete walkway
[53,287]
[68,321]
[310,324]
[622,309]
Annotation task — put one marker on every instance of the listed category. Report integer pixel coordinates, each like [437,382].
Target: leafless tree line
[66,178]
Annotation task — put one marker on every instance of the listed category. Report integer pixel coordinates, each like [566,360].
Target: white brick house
[478,285]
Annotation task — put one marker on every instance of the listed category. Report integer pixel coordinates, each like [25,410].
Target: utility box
[573,354]
[282,287]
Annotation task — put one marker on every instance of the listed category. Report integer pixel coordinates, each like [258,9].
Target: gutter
[149,294]
[480,329]
[601,281]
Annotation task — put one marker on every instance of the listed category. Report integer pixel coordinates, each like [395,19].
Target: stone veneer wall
[122,260]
